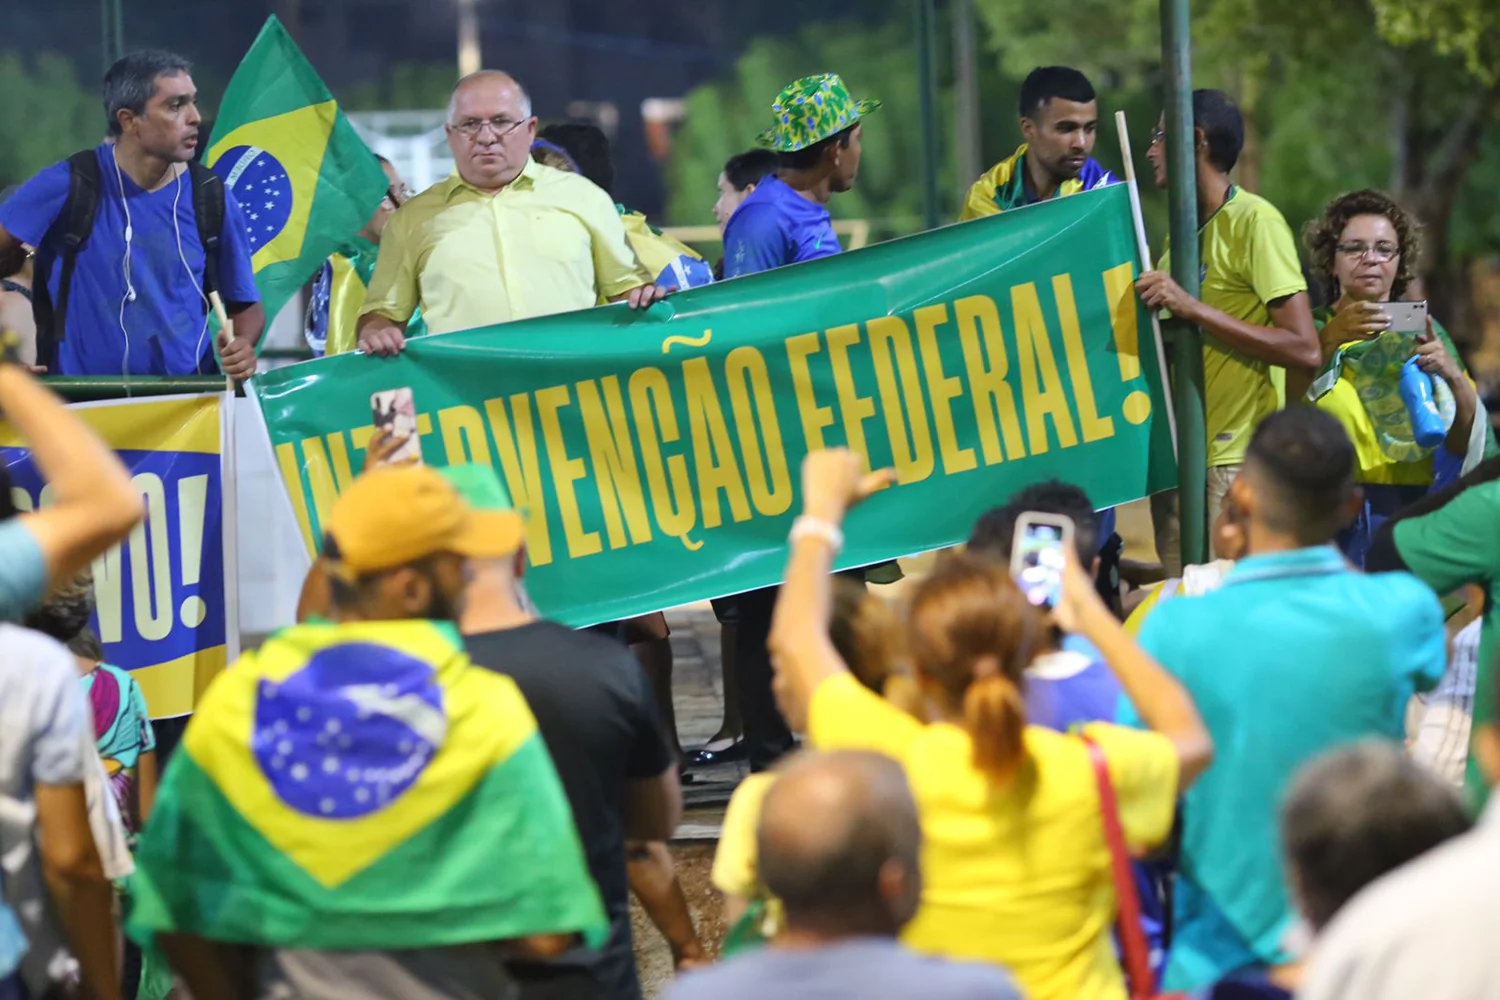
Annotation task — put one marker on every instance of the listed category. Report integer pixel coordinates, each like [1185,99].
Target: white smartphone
[395,411]
[1406,317]
[1038,552]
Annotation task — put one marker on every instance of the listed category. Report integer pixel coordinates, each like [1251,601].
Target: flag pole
[1143,248]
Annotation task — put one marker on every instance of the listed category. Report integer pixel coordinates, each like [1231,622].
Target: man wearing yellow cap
[358,808]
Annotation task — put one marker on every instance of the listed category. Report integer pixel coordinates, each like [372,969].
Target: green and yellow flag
[362,786]
[303,177]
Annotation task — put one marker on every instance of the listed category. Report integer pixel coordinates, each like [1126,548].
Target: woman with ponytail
[1016,870]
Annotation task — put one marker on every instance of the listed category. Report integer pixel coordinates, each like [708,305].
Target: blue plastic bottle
[1416,393]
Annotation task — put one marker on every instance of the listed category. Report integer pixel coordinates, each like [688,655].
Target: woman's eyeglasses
[1380,253]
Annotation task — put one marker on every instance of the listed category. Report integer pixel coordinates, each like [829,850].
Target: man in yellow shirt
[1059,120]
[1253,311]
[504,238]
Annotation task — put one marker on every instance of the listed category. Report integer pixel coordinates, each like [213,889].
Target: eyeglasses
[1158,135]
[472,127]
[1380,252]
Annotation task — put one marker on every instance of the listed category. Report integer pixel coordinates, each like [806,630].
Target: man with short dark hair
[839,844]
[1252,307]
[1068,683]
[816,133]
[597,714]
[1295,653]
[1059,121]
[133,297]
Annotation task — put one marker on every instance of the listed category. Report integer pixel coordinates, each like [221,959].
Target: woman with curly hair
[1366,247]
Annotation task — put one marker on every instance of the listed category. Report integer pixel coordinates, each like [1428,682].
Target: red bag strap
[1137,956]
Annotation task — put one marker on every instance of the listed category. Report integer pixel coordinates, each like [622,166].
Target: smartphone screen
[1038,553]
[395,411]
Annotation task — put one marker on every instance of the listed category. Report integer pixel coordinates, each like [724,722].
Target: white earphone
[130,292]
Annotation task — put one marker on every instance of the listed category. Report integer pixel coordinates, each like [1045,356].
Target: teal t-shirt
[1295,654]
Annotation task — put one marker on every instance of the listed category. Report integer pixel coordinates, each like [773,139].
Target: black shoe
[703,757]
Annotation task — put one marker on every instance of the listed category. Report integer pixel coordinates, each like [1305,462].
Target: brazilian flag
[304,179]
[362,786]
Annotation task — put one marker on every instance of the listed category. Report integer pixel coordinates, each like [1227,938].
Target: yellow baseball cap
[395,515]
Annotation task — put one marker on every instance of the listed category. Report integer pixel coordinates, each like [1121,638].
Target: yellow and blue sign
[163,607]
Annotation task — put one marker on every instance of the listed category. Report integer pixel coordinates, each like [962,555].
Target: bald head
[490,129]
[838,843]
[492,83]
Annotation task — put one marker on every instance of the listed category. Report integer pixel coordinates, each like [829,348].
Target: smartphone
[395,412]
[1406,317]
[1038,551]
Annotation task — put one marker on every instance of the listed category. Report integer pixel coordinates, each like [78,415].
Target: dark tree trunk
[1432,157]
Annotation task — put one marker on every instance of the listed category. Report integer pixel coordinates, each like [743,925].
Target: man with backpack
[131,239]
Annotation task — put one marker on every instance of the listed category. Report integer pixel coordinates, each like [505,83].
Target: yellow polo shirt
[1249,258]
[549,242]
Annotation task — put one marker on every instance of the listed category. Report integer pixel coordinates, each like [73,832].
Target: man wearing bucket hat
[815,133]
[597,714]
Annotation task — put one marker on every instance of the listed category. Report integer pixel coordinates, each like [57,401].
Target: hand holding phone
[394,414]
[1038,553]
[1406,317]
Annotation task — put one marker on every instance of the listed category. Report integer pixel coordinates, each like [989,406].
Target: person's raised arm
[833,481]
[1163,703]
[94,505]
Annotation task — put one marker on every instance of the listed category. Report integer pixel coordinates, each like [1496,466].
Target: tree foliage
[1467,29]
[46,115]
[724,118]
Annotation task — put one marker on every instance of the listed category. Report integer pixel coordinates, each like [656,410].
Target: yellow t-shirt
[1249,258]
[735,872]
[1020,880]
[549,242]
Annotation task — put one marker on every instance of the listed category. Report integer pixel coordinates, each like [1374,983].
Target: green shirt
[1454,545]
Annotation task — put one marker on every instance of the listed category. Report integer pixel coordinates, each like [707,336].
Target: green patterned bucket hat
[811,110]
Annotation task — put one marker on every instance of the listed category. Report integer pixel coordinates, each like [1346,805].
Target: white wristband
[815,527]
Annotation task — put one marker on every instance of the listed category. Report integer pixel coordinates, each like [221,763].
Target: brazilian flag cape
[362,786]
[304,179]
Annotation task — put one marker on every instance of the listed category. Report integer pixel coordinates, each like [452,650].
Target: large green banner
[657,453]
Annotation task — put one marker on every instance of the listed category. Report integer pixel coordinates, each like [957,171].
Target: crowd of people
[425,789]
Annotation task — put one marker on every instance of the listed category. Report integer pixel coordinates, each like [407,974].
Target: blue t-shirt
[1293,655]
[774,227]
[164,330]
[1071,687]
